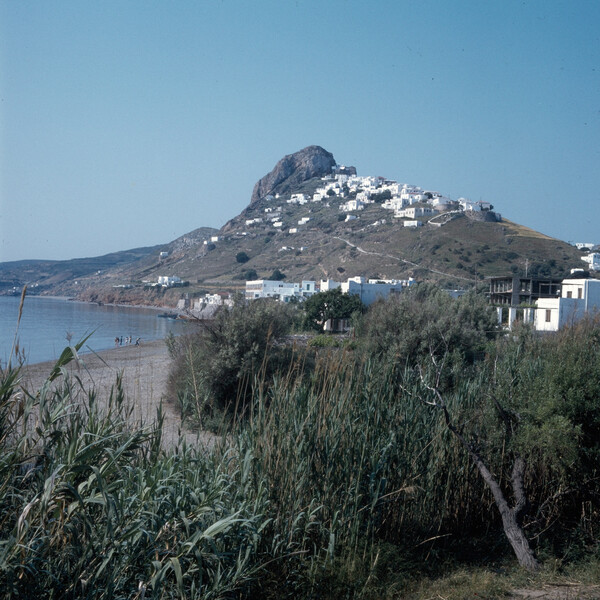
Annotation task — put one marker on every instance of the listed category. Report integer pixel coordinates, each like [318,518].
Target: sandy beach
[145,370]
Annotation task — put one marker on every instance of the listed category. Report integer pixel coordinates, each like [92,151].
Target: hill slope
[313,240]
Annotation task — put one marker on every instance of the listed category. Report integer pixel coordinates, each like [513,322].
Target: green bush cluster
[215,370]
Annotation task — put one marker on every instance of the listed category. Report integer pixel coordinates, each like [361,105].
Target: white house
[593,260]
[412,212]
[352,205]
[395,203]
[297,199]
[578,297]
[167,281]
[413,223]
[469,205]
[412,194]
[329,284]
[293,230]
[279,290]
[370,292]
[210,300]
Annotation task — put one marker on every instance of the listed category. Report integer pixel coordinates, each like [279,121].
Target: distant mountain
[59,277]
[307,219]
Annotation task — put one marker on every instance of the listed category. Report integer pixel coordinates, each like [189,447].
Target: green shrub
[425,322]
[325,341]
[215,370]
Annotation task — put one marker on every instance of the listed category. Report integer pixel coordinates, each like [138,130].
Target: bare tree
[511,515]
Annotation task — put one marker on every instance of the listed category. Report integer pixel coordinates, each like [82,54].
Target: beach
[144,369]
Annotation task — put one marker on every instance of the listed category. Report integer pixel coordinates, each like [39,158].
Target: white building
[593,260]
[329,284]
[297,199]
[578,297]
[371,292]
[279,290]
[412,212]
[412,194]
[211,300]
[168,281]
[469,205]
[413,223]
[352,205]
[395,203]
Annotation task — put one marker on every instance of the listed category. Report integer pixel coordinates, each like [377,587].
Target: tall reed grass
[330,467]
[93,508]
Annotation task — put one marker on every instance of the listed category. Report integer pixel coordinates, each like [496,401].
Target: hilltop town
[312,219]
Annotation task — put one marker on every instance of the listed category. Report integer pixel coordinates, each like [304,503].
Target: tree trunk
[510,516]
[518,541]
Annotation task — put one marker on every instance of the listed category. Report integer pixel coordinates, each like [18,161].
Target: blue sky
[129,123]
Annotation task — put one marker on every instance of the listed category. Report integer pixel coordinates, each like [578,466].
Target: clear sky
[129,123]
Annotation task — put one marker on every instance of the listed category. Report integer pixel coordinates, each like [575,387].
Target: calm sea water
[46,322]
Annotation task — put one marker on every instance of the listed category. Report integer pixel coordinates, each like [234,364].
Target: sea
[47,325]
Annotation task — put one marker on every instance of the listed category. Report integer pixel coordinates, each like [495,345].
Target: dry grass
[522,231]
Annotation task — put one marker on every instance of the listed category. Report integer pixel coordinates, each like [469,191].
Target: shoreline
[144,372]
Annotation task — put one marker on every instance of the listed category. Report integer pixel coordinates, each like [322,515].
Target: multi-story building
[578,297]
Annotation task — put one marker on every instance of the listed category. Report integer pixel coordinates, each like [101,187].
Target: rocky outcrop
[292,170]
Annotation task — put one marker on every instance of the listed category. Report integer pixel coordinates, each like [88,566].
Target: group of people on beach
[126,341]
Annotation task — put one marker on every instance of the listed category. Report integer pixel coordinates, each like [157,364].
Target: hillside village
[413,207]
[313,221]
[403,201]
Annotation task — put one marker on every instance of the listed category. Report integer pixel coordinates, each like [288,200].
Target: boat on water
[168,316]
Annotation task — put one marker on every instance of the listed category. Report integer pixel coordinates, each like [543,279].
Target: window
[569,294]
[548,315]
[579,292]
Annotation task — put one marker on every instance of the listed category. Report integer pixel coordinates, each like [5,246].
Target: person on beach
[116,342]
[137,342]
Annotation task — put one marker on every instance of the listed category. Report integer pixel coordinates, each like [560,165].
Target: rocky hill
[285,230]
